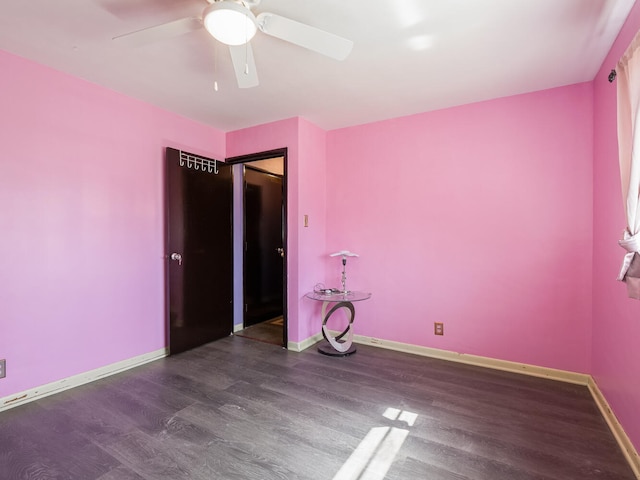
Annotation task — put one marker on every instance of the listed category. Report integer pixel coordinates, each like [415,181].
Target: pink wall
[492,217]
[81,283]
[306,179]
[478,216]
[616,318]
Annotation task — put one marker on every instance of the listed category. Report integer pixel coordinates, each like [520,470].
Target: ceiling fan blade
[160,32]
[139,9]
[305,35]
[244,65]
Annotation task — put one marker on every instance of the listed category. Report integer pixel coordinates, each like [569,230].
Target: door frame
[246,168]
[266,155]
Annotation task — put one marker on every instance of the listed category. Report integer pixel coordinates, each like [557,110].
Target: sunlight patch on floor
[374,455]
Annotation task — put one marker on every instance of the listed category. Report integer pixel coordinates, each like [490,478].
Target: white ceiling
[409,56]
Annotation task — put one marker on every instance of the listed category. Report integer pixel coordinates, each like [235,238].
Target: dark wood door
[199,250]
[263,259]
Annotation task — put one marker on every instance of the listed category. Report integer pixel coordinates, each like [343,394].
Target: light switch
[306,220]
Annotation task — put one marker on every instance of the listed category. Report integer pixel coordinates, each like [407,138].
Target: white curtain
[628,81]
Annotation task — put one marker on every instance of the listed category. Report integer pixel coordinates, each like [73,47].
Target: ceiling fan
[233,23]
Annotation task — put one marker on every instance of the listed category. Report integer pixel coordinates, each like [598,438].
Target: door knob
[178,257]
[280,250]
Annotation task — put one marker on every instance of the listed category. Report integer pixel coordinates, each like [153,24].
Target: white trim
[620,435]
[75,381]
[505,365]
[237,327]
[306,343]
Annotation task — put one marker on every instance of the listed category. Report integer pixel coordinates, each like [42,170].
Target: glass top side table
[340,345]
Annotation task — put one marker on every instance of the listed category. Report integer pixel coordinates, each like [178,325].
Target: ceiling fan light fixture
[229,22]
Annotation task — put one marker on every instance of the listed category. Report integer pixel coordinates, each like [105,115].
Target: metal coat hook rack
[198,163]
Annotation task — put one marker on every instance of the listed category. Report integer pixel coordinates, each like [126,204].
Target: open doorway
[260,243]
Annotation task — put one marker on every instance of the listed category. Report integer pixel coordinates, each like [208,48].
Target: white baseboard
[629,451]
[237,327]
[551,373]
[77,380]
[306,343]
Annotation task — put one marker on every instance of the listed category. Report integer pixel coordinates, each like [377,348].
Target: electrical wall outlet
[3,368]
[438,328]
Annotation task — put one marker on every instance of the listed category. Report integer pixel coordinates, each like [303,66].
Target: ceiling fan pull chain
[215,66]
[246,48]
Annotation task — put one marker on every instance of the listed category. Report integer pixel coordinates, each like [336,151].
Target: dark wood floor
[242,409]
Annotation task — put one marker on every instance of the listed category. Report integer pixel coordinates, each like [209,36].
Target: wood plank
[242,409]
